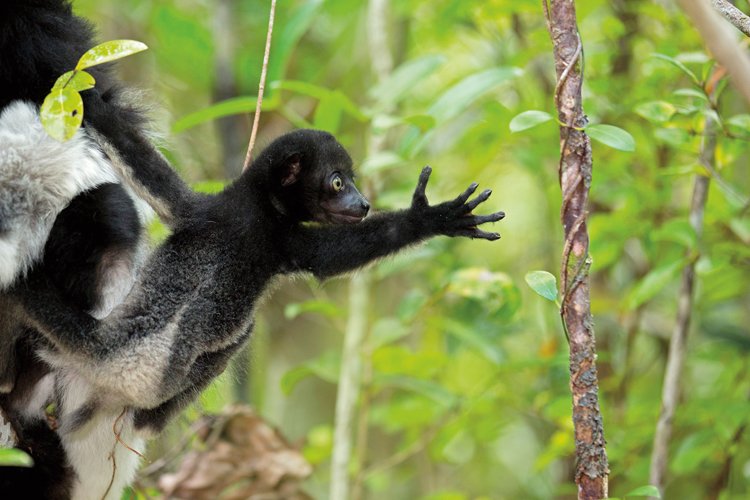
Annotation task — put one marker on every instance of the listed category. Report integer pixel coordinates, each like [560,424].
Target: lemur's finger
[474,220]
[482,197]
[475,233]
[422,183]
[461,199]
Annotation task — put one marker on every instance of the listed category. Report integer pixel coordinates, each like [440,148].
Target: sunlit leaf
[543,283]
[109,51]
[61,113]
[528,119]
[612,136]
[13,457]
[76,80]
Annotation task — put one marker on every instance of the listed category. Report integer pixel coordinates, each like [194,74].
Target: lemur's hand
[453,218]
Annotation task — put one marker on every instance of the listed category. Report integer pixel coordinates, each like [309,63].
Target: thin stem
[261,88]
[678,341]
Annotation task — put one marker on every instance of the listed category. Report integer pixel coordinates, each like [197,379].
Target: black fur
[51,476]
[202,283]
[97,226]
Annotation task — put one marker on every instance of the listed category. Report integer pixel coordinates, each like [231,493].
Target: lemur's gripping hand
[455,217]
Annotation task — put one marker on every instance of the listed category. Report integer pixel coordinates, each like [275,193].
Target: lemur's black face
[340,201]
[318,183]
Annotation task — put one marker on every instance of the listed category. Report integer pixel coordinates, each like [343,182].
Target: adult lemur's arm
[119,130]
[334,249]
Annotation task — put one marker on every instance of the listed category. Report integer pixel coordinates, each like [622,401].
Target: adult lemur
[129,359]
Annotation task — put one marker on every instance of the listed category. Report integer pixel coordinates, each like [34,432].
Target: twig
[261,88]
[678,341]
[720,42]
[739,19]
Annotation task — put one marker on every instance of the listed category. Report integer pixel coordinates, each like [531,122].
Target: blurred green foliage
[466,383]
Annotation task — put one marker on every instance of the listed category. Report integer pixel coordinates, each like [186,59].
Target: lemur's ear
[291,170]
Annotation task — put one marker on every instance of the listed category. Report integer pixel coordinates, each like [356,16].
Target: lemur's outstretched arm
[334,249]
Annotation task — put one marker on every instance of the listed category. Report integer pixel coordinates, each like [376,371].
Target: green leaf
[691,93]
[543,283]
[292,31]
[324,307]
[404,79]
[233,106]
[677,230]
[13,457]
[656,111]
[612,136]
[645,491]
[328,114]
[460,96]
[432,390]
[76,80]
[678,65]
[653,282]
[327,367]
[61,113]
[528,119]
[109,51]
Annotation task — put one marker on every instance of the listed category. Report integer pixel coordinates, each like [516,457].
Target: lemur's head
[312,178]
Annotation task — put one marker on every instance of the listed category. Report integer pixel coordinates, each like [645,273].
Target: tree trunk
[575,178]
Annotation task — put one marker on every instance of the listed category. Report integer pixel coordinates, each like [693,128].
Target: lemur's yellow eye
[337,184]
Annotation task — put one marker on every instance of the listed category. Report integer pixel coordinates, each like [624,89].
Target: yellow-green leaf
[62,113]
[76,80]
[109,51]
[12,457]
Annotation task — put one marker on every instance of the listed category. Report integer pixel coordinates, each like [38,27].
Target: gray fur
[38,178]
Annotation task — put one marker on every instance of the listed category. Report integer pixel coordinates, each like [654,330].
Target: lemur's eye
[337,183]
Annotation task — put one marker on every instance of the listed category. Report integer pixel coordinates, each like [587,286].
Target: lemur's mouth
[345,218]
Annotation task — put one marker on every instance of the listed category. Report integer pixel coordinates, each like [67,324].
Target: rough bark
[739,19]
[592,469]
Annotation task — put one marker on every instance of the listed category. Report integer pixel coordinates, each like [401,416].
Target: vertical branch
[348,390]
[355,343]
[575,178]
[678,341]
[261,88]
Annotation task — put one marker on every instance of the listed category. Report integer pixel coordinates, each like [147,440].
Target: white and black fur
[63,214]
[295,210]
